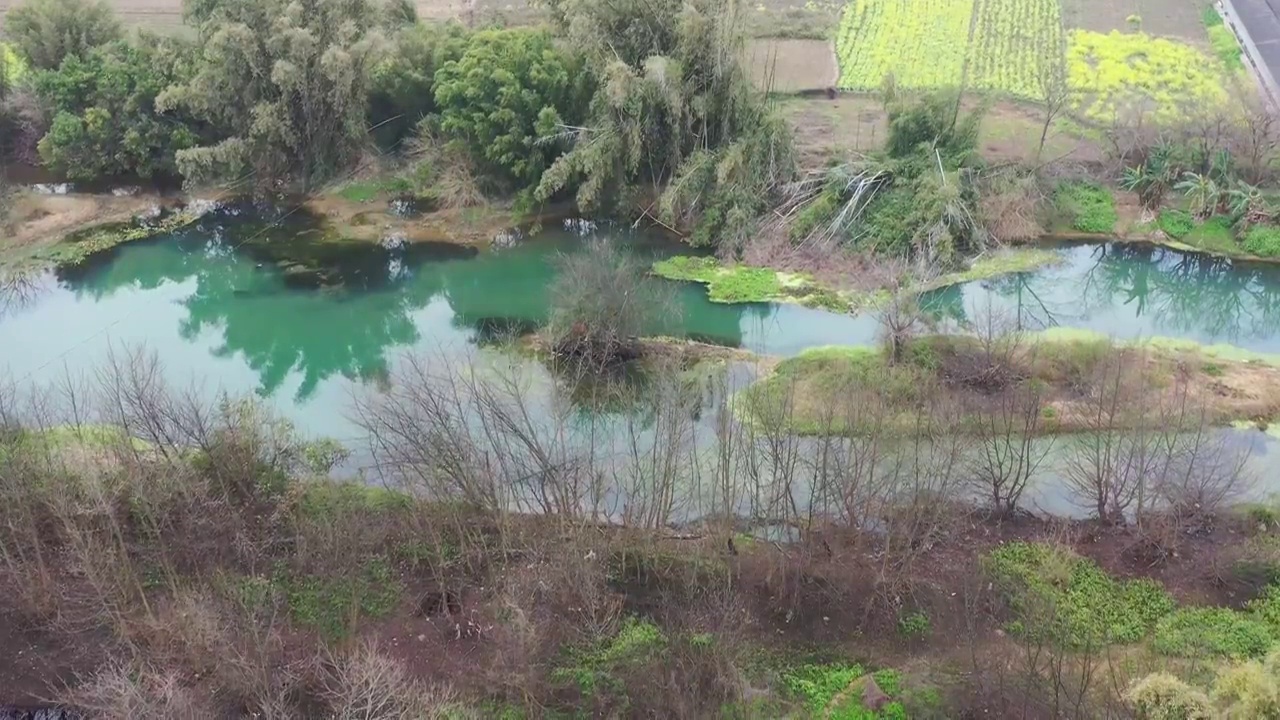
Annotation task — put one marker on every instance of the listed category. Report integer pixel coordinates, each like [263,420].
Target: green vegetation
[81,245]
[1222,40]
[334,605]
[1068,597]
[592,669]
[46,32]
[1177,224]
[305,121]
[913,625]
[1087,207]
[500,102]
[1262,241]
[834,690]
[1199,631]
[105,123]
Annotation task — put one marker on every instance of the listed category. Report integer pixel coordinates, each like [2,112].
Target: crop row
[1015,43]
[920,42]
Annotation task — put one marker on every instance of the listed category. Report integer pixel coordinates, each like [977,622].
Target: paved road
[1260,22]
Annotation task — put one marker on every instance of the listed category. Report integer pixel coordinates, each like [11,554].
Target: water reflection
[1132,290]
[293,303]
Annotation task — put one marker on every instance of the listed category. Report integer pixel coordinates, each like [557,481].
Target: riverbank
[492,613]
[1055,382]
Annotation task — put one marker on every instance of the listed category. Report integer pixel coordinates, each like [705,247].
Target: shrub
[105,122]
[1162,696]
[1196,631]
[505,96]
[1263,241]
[45,32]
[1177,224]
[401,89]
[1089,206]
[915,625]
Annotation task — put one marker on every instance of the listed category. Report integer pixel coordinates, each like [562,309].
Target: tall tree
[47,31]
[286,83]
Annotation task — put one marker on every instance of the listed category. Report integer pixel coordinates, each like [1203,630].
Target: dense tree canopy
[103,106]
[505,99]
[285,82]
[402,92]
[44,32]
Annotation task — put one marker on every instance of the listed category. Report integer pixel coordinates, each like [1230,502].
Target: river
[244,302]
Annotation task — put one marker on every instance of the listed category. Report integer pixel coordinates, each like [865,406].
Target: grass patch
[1003,262]
[1221,40]
[592,670]
[1214,235]
[1087,207]
[1218,631]
[833,691]
[333,605]
[736,284]
[1262,241]
[1176,224]
[1056,592]
[361,192]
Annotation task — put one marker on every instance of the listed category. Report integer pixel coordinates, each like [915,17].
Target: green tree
[285,82]
[505,98]
[402,90]
[104,119]
[673,107]
[47,31]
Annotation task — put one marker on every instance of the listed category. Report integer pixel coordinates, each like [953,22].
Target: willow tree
[286,83]
[674,115]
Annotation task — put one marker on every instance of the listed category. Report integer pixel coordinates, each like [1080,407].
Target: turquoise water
[237,304]
[1131,291]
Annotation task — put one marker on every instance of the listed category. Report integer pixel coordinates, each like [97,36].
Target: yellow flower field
[1112,73]
[1012,42]
[921,42]
[1003,46]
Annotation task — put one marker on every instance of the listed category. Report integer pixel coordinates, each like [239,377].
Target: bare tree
[1054,89]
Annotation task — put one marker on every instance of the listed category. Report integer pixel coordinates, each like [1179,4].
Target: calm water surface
[233,303]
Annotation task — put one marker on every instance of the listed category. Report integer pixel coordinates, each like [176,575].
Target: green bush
[508,92]
[592,669]
[914,625]
[1058,594]
[1177,224]
[401,89]
[46,32]
[105,123]
[1263,241]
[1200,631]
[1090,207]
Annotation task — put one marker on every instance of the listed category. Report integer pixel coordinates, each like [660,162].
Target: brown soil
[1169,18]
[791,66]
[38,221]
[852,124]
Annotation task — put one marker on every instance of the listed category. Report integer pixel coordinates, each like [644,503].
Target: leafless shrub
[602,301]
[127,692]
[1010,206]
[365,684]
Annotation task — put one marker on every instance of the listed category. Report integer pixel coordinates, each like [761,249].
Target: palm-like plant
[1202,192]
[1152,179]
[1247,205]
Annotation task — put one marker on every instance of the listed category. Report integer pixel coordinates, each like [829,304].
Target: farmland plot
[1013,43]
[921,42]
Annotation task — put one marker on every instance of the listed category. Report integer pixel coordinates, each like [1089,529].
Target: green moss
[1198,631]
[743,283]
[1068,599]
[83,244]
[1087,207]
